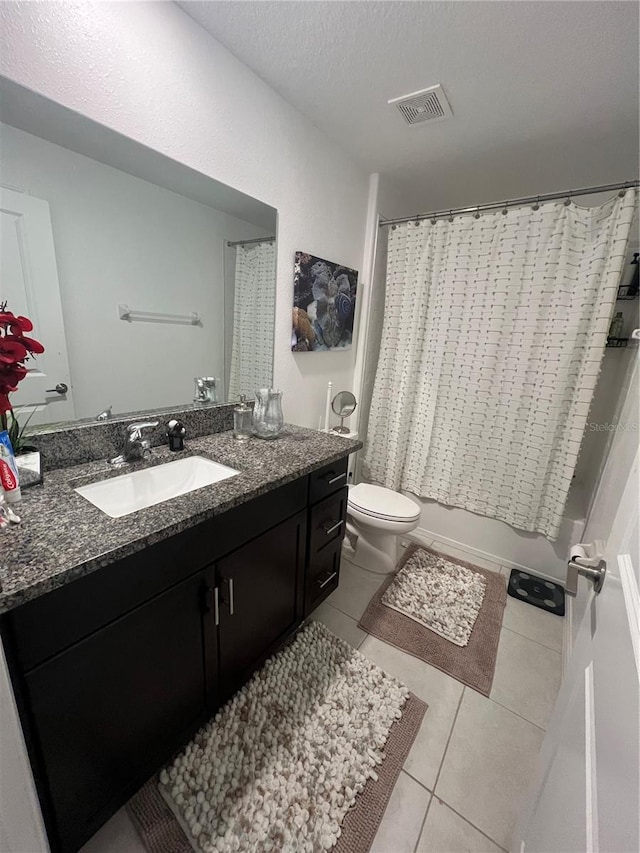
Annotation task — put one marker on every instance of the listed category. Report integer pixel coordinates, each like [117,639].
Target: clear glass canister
[242,417]
[268,420]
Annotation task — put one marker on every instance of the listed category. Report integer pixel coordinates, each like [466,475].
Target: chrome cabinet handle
[60,388]
[328,580]
[230,596]
[216,606]
[335,479]
[330,530]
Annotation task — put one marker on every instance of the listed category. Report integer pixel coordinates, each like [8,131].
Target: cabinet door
[260,589]
[111,709]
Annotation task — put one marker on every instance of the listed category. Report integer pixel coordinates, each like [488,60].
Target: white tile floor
[473,756]
[471,762]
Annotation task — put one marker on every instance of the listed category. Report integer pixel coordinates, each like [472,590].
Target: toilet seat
[377,502]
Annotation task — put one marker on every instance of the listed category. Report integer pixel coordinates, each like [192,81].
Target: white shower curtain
[253,319]
[494,331]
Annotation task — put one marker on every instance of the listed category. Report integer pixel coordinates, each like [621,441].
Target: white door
[29,283]
[587,793]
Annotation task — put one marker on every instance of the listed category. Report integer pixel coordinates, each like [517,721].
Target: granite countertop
[63,537]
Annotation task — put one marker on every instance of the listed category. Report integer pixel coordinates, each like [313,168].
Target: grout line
[344,613]
[515,713]
[355,621]
[328,603]
[466,820]
[537,642]
[453,725]
[422,785]
[424,820]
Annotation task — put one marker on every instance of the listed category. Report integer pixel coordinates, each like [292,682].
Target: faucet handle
[134,431]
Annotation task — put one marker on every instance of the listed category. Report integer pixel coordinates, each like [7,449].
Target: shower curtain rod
[512,202]
[247,242]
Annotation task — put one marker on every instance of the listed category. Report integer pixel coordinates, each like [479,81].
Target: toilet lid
[379,502]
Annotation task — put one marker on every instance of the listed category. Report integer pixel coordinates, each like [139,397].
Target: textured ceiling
[544,94]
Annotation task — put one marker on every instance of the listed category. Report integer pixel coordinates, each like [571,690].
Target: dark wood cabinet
[111,707]
[260,592]
[114,672]
[328,497]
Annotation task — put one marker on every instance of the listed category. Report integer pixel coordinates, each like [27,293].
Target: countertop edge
[11,600]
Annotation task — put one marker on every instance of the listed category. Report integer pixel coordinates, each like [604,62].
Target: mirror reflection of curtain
[253,319]
[494,330]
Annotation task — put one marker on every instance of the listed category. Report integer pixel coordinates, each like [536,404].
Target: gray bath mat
[310,748]
[439,593]
[473,664]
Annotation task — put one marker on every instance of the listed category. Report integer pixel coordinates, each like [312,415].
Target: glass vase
[268,420]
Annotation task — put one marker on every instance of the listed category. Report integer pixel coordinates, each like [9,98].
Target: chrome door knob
[596,574]
[60,388]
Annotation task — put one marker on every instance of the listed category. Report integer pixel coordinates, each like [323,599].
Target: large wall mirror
[139,274]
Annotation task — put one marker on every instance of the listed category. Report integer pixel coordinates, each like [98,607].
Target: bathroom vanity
[124,635]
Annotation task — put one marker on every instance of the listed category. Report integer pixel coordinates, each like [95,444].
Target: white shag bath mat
[282,762]
[443,596]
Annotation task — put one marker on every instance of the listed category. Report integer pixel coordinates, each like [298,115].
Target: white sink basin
[130,492]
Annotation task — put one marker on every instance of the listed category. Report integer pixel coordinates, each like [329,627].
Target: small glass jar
[242,416]
[268,420]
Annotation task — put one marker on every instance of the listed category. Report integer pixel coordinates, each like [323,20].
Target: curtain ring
[506,208]
[567,200]
[393,227]
[451,215]
[433,220]
[623,191]
[536,206]
[476,215]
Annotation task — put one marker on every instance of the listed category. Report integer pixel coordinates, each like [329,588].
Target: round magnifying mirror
[343,404]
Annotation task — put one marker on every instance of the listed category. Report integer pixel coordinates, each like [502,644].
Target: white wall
[149,71]
[118,240]
[385,202]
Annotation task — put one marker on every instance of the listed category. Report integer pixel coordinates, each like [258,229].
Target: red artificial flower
[12,350]
[10,376]
[15,348]
[31,344]
[14,373]
[21,324]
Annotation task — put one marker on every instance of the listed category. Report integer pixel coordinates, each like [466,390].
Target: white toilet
[375,518]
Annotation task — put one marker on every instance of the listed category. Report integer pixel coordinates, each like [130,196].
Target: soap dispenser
[176,432]
[242,415]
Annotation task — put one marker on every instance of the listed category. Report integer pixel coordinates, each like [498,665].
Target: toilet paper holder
[594,568]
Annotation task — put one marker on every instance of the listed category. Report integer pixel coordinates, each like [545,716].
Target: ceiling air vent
[428,105]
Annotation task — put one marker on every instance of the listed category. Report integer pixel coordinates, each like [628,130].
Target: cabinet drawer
[327,480]
[327,521]
[323,575]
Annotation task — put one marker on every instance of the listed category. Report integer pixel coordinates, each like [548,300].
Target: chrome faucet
[135,446]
